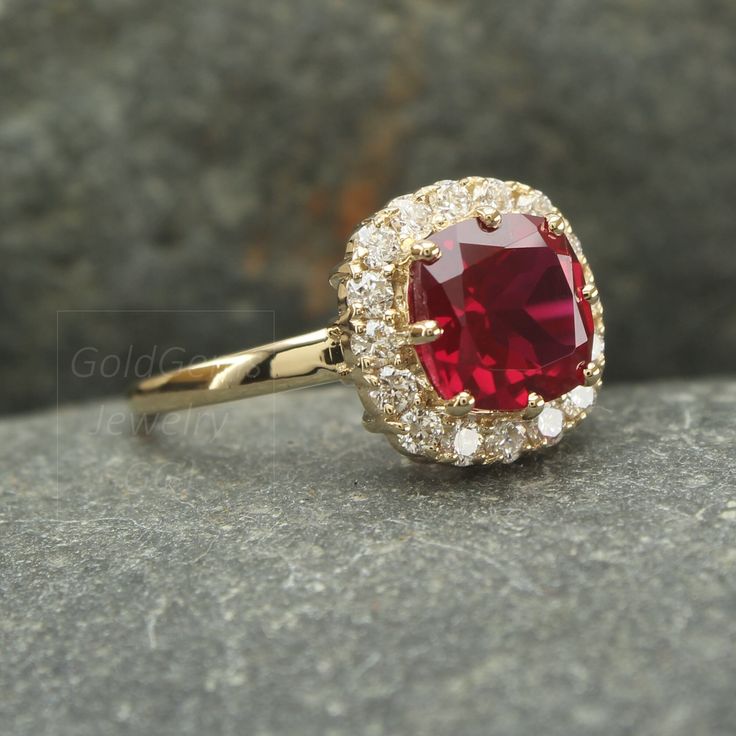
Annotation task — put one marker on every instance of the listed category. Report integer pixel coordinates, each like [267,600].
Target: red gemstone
[510,304]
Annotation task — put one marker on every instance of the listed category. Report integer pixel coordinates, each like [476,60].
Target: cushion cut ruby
[510,304]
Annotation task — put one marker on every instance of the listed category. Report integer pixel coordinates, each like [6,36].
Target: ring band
[468,320]
[306,360]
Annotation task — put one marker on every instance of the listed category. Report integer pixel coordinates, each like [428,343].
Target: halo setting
[470,322]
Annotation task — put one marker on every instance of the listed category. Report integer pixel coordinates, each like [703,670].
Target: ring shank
[305,360]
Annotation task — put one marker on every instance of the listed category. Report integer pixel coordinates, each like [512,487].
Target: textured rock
[274,570]
[191,154]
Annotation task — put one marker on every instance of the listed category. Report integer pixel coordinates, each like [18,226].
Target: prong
[391,317]
[397,427]
[590,293]
[556,223]
[425,193]
[425,250]
[423,332]
[461,404]
[343,370]
[517,188]
[334,333]
[490,218]
[357,311]
[358,326]
[356,270]
[366,363]
[535,404]
[384,217]
[592,374]
[389,412]
[371,380]
[388,270]
[400,360]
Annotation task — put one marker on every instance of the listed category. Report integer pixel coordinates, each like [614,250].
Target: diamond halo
[378,338]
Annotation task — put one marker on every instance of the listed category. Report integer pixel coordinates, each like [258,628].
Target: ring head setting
[470,322]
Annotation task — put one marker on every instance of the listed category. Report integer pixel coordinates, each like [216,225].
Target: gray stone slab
[217,154]
[277,570]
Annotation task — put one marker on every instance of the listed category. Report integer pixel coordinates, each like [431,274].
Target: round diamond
[466,443]
[582,396]
[397,389]
[599,345]
[450,202]
[412,221]
[509,304]
[492,193]
[371,290]
[533,202]
[376,342]
[506,441]
[425,430]
[381,244]
[550,422]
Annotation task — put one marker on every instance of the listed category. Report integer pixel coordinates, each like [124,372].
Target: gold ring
[468,320]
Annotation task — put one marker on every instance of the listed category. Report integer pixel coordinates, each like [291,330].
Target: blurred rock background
[182,154]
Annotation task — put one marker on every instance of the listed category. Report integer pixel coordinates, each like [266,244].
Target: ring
[468,320]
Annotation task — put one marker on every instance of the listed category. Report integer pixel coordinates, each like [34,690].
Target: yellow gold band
[305,360]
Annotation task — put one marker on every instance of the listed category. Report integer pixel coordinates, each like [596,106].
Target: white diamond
[492,193]
[371,290]
[550,422]
[582,396]
[533,202]
[598,346]
[397,389]
[467,441]
[507,441]
[425,429]
[412,221]
[377,341]
[450,202]
[380,242]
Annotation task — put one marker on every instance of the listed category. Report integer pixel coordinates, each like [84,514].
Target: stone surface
[509,302]
[181,154]
[268,569]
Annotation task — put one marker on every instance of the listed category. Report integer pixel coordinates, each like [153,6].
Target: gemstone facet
[510,305]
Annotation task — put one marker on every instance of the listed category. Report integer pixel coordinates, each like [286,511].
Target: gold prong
[358,326]
[556,223]
[356,311]
[391,317]
[384,217]
[400,360]
[356,270]
[367,363]
[388,270]
[389,411]
[460,404]
[397,427]
[423,332]
[343,370]
[535,404]
[489,217]
[334,333]
[425,250]
[517,188]
[592,374]
[425,193]
[590,293]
